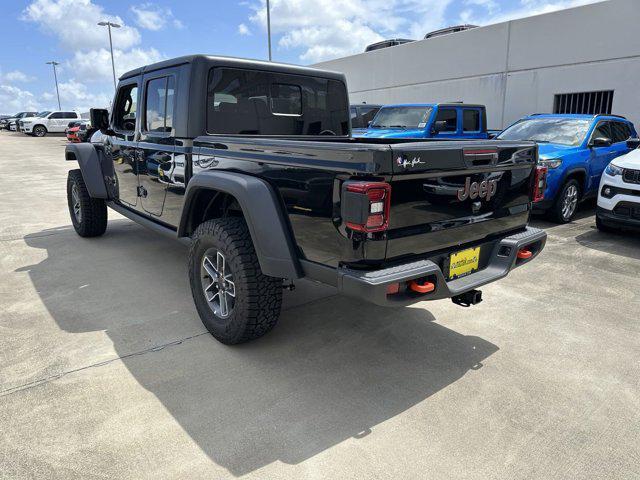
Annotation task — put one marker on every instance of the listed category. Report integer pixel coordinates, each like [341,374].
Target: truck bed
[426,215]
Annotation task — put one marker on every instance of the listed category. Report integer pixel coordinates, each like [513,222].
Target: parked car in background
[48,122]
[387,43]
[79,131]
[619,192]
[428,120]
[72,133]
[361,115]
[9,123]
[576,149]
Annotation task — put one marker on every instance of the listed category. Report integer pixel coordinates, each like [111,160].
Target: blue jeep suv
[428,120]
[576,149]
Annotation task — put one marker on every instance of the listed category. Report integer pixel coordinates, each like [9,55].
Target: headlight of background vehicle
[613,170]
[550,162]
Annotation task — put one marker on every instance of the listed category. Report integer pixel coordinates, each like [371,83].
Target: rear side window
[450,116]
[620,132]
[251,102]
[124,113]
[69,115]
[471,120]
[159,104]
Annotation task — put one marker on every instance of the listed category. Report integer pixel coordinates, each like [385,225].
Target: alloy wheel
[217,283]
[75,198]
[569,202]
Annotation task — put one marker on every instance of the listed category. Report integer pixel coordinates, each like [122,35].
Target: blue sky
[304,32]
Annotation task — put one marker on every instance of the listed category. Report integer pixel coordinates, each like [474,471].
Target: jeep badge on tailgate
[485,189]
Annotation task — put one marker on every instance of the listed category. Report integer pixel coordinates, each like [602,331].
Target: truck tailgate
[446,195]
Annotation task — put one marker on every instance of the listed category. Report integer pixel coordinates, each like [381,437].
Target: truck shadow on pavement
[332,370]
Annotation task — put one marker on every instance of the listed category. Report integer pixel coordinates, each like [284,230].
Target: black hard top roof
[233,62]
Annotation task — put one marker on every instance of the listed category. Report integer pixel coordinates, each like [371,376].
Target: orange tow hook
[426,287]
[524,253]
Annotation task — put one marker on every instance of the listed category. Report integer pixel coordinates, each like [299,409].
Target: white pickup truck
[45,122]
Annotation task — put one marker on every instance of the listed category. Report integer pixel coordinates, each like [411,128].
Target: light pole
[55,76]
[269,28]
[109,25]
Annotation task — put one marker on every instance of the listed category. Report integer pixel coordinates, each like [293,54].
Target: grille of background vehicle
[631,176]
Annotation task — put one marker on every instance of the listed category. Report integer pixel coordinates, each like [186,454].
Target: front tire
[88,215]
[39,131]
[234,299]
[566,203]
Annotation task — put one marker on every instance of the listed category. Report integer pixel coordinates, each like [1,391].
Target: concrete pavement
[107,372]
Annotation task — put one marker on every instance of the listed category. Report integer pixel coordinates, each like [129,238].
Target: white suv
[47,122]
[619,194]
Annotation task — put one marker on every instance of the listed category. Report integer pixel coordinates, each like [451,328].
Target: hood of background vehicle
[392,133]
[630,160]
[555,150]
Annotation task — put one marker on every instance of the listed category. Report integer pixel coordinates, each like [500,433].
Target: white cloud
[75,95]
[95,65]
[154,17]
[74,23]
[14,99]
[324,29]
[16,76]
[243,29]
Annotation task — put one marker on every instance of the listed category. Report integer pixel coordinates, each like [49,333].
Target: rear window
[250,102]
[471,120]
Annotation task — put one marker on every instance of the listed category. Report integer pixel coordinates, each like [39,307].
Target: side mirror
[369,123]
[633,143]
[99,119]
[439,126]
[601,142]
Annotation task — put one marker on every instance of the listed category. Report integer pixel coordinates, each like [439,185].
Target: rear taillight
[540,183]
[368,205]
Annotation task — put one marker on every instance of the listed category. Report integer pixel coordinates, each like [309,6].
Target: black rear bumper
[372,285]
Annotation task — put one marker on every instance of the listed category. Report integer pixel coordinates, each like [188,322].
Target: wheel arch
[91,166]
[211,194]
[579,174]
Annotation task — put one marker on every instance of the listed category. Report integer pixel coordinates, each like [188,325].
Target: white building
[514,68]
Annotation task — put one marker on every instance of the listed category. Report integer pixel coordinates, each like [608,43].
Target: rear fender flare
[262,210]
[91,165]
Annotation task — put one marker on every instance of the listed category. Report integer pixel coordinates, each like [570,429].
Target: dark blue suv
[576,149]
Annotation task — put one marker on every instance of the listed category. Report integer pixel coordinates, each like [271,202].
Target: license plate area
[463,263]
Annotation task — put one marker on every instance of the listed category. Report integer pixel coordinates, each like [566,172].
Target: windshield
[43,114]
[564,131]
[402,117]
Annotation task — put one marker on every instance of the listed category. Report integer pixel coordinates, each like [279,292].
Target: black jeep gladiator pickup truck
[252,164]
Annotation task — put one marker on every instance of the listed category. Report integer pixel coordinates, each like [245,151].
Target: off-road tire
[604,228]
[258,297]
[39,131]
[92,221]
[556,212]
